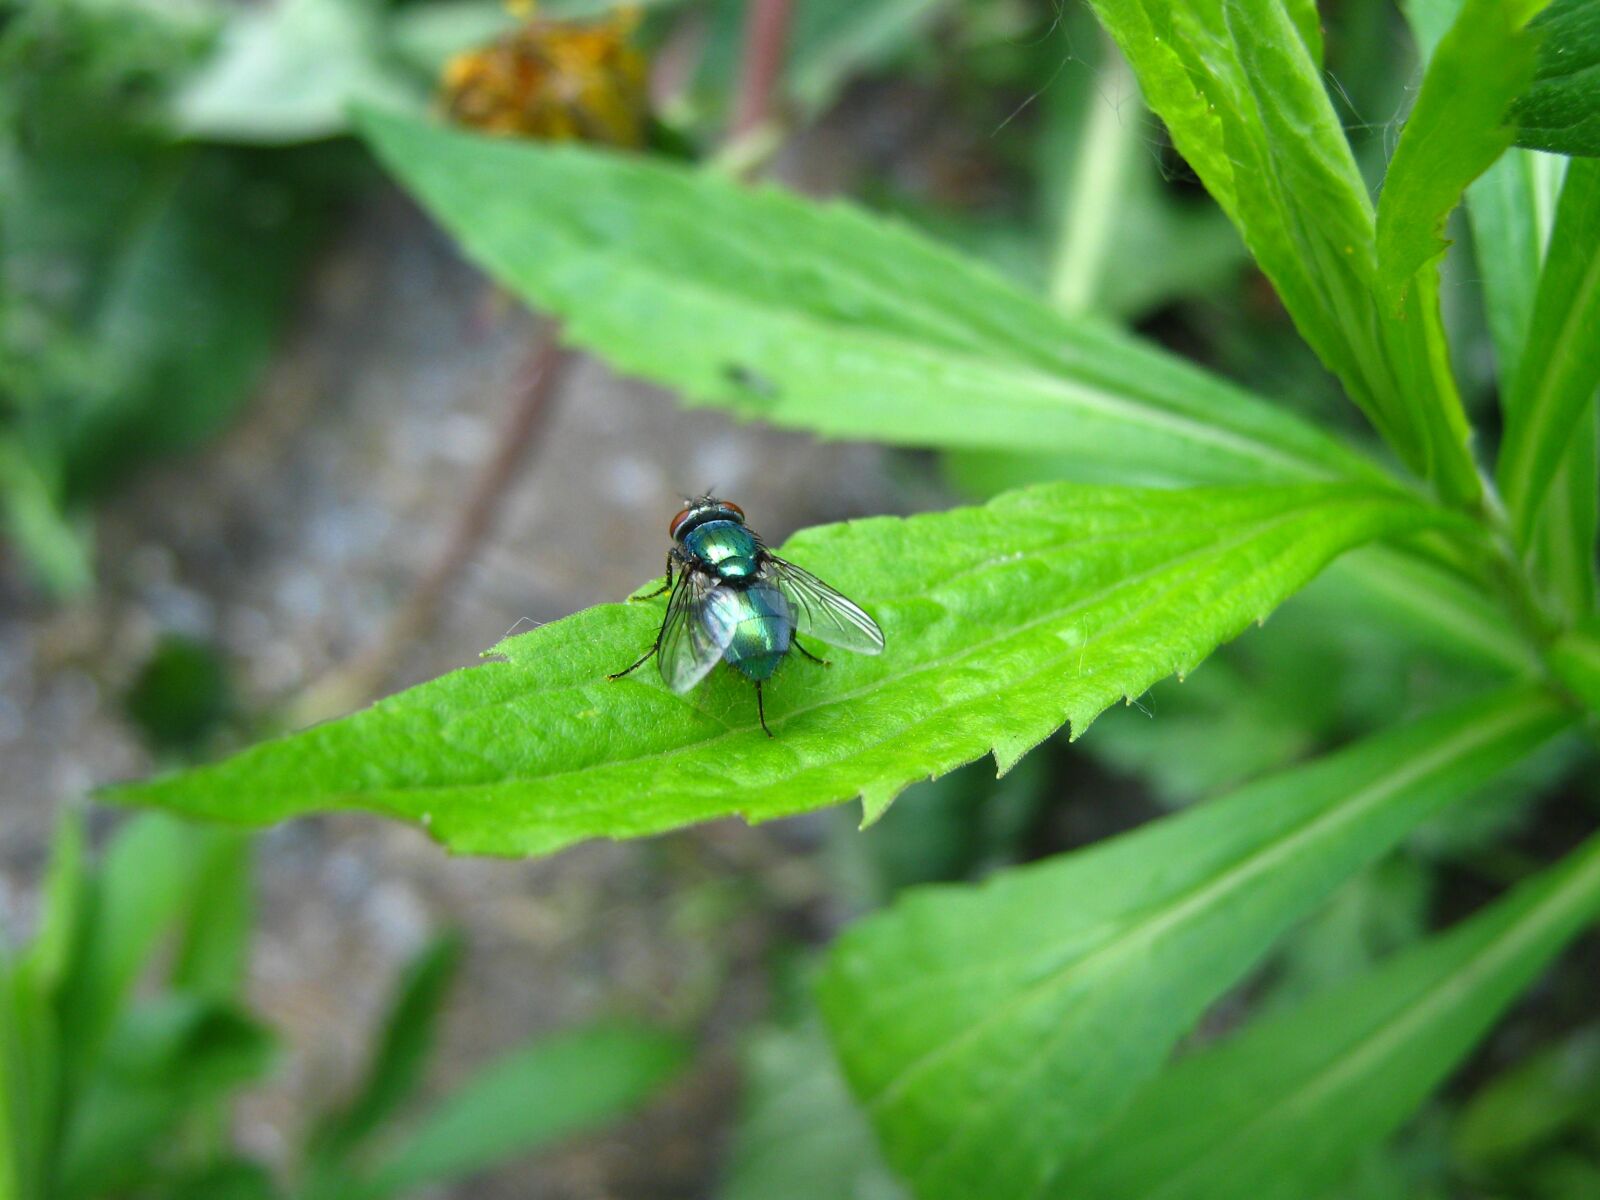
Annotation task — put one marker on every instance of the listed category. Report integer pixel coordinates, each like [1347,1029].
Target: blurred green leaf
[230,1179]
[849,326]
[1281,1110]
[288,71]
[27,1082]
[1558,374]
[54,546]
[181,694]
[58,939]
[834,40]
[1243,97]
[1561,111]
[135,898]
[991,1032]
[1456,129]
[401,1053]
[552,1088]
[165,1060]
[1003,622]
[1545,1093]
[799,1134]
[1575,658]
[214,938]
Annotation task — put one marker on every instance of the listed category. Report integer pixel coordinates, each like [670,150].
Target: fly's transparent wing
[695,632]
[822,612]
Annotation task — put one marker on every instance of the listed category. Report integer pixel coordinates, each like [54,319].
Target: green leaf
[165,1059]
[821,317]
[800,1136]
[1561,111]
[214,942]
[27,1082]
[552,1088]
[1283,1109]
[401,1054]
[991,1032]
[1511,208]
[1559,371]
[1241,92]
[833,40]
[288,72]
[144,879]
[30,501]
[1456,129]
[1544,1094]
[49,959]
[1575,658]
[1003,622]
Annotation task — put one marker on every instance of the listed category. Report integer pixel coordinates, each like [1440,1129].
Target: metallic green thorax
[759,614]
[727,547]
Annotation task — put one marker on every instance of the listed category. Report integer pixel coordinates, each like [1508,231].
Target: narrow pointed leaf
[1286,1107]
[1456,129]
[551,1088]
[1003,623]
[1559,371]
[821,317]
[992,1032]
[1242,92]
[401,1052]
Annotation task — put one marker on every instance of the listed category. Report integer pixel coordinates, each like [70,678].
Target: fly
[734,600]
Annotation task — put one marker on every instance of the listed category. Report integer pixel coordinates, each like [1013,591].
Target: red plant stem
[361,677]
[766,33]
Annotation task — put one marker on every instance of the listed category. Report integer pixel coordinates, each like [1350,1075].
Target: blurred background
[269,448]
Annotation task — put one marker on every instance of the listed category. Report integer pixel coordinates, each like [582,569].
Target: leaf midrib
[968,650]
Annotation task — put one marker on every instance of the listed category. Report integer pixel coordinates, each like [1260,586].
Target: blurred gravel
[288,542]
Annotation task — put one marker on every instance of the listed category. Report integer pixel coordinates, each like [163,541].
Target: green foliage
[799,1134]
[991,1033]
[827,319]
[1285,1106]
[1558,372]
[547,1090]
[1011,1039]
[288,72]
[122,1044]
[1243,97]
[1561,111]
[1003,622]
[1455,131]
[142,282]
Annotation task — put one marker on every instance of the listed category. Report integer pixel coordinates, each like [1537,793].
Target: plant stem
[766,33]
[1095,192]
[362,676]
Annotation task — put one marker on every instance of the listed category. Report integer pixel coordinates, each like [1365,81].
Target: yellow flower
[557,81]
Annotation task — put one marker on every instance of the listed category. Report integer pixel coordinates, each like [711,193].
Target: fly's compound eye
[672,529]
[729,504]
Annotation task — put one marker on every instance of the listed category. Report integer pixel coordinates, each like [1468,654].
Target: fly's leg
[648,654]
[821,662]
[651,596]
[671,558]
[761,711]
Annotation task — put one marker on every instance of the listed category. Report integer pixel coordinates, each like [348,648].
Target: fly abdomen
[762,628]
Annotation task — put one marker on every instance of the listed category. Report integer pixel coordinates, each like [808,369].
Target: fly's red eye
[672,529]
[734,507]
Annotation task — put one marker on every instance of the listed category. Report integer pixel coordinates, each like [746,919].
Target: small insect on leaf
[557,81]
[735,601]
